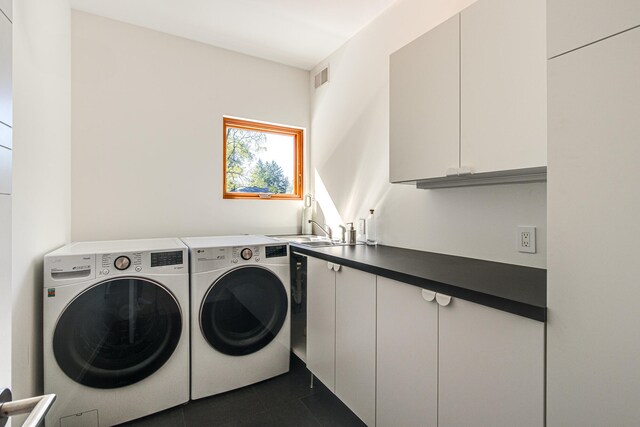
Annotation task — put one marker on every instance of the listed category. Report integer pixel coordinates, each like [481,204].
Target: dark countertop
[512,288]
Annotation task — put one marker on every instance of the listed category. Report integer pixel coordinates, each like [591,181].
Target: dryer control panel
[208,259]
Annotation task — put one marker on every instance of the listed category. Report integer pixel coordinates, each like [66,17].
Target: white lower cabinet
[341,333]
[321,321]
[356,342]
[407,357]
[490,367]
[451,362]
[399,355]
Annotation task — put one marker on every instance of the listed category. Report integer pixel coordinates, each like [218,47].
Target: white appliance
[116,330]
[240,292]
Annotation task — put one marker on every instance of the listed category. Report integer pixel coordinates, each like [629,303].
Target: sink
[322,243]
[310,240]
[303,238]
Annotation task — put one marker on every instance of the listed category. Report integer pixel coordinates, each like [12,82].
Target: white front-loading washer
[116,330]
[240,292]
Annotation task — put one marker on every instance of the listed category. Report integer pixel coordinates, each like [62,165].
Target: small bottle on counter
[370,229]
[361,236]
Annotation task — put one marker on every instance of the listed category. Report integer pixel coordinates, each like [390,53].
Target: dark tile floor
[283,401]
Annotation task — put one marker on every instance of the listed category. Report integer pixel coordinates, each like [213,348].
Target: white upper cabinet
[425,105]
[503,84]
[576,23]
[6,6]
[468,99]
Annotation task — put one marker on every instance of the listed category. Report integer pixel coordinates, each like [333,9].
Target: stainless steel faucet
[328,230]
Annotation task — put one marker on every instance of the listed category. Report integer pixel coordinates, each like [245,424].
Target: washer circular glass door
[243,311]
[117,332]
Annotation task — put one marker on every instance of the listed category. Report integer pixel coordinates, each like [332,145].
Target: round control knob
[246,254]
[122,263]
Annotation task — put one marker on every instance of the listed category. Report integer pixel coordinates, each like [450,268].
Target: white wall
[147,113]
[41,178]
[350,134]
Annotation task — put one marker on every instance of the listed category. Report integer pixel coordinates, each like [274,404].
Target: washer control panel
[159,262]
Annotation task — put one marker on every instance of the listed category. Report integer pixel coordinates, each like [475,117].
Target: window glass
[262,160]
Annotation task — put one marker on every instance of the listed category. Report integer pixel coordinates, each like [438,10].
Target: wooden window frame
[297,134]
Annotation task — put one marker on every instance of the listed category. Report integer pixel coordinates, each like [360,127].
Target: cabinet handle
[330,265]
[428,295]
[465,170]
[336,267]
[443,299]
[452,172]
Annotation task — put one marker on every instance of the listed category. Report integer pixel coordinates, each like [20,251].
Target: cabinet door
[491,367]
[6,157]
[5,291]
[503,85]
[424,99]
[575,23]
[407,356]
[6,111]
[6,7]
[594,147]
[321,321]
[356,342]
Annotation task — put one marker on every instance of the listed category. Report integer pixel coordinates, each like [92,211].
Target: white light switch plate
[526,239]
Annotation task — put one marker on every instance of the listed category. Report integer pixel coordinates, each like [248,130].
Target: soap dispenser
[351,234]
[306,215]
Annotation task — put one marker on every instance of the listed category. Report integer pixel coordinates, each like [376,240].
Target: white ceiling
[300,33]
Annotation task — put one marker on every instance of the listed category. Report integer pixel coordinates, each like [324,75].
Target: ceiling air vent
[322,77]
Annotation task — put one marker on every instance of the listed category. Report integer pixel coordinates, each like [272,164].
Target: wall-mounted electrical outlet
[527,239]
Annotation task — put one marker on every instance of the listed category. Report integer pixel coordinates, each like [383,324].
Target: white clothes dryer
[116,330]
[240,292]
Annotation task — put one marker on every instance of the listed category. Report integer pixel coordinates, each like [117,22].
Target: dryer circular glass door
[117,332]
[243,311]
